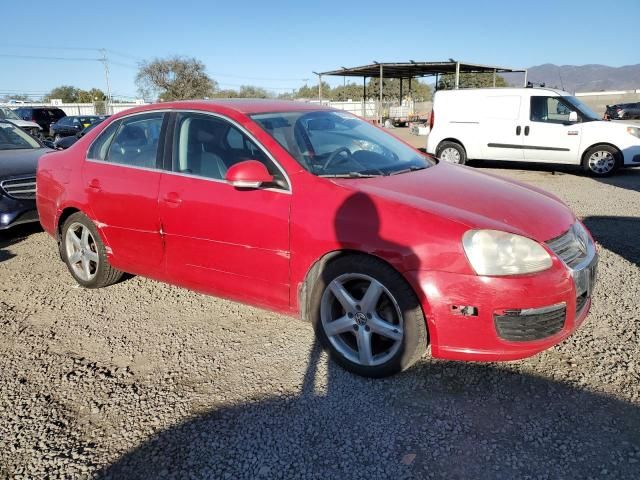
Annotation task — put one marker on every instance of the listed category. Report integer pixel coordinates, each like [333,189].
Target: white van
[530,125]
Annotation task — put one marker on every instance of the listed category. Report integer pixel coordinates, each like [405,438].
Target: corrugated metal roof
[415,69]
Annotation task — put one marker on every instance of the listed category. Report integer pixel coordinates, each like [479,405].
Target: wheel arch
[317,267]
[450,139]
[583,157]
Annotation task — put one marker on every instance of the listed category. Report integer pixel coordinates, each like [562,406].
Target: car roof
[245,106]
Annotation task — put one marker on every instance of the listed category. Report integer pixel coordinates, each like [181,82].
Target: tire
[601,161]
[91,268]
[393,325]
[452,152]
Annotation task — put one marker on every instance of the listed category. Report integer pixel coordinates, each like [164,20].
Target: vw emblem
[360,318]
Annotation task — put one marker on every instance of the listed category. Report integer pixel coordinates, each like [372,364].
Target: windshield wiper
[413,168]
[350,175]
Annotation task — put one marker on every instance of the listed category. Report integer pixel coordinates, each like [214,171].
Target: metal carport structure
[411,69]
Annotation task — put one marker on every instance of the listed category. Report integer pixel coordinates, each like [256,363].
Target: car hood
[20,162]
[473,198]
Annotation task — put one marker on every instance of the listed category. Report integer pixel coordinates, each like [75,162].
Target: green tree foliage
[174,78]
[391,89]
[471,80]
[70,94]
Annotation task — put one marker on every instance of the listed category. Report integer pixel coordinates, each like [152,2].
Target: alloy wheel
[361,319]
[602,162]
[82,251]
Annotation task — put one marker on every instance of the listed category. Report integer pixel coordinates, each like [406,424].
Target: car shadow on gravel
[627,178]
[437,420]
[15,235]
[619,235]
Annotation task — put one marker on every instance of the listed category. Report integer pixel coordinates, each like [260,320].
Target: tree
[66,93]
[250,91]
[70,94]
[391,89]
[307,91]
[470,80]
[174,78]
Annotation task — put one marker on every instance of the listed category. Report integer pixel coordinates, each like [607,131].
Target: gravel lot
[145,380]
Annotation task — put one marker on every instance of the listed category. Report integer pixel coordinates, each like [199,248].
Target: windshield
[8,114]
[13,138]
[329,143]
[586,113]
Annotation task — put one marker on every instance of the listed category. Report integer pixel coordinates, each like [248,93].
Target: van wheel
[452,152]
[601,161]
[85,255]
[368,317]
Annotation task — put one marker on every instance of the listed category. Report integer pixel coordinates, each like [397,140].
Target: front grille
[569,248]
[20,188]
[530,324]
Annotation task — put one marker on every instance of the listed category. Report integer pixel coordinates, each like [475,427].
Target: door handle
[526,130]
[172,198]
[95,185]
[518,130]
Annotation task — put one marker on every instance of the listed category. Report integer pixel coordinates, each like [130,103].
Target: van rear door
[501,130]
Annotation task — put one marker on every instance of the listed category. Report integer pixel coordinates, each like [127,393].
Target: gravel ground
[145,380]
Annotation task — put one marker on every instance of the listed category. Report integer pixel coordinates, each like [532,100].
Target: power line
[38,57]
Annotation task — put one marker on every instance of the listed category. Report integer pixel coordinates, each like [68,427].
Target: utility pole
[105,63]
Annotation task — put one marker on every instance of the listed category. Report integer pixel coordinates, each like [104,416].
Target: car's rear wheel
[85,254]
[452,152]
[601,160]
[368,317]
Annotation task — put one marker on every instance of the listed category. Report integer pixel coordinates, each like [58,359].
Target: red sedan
[312,211]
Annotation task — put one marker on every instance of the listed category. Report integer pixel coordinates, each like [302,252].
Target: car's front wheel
[85,254]
[602,161]
[368,317]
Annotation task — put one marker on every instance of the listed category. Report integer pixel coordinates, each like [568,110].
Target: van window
[550,109]
[505,107]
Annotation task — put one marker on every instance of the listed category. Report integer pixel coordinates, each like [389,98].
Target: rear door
[122,176]
[501,128]
[549,136]
[221,239]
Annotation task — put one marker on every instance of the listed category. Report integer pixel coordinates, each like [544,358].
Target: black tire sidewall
[457,146]
[607,148]
[415,339]
[98,280]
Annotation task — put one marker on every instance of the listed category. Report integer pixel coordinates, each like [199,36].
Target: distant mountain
[586,78]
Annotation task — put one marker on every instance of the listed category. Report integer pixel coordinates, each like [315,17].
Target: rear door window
[136,141]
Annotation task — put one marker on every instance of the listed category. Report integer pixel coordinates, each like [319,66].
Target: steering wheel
[334,155]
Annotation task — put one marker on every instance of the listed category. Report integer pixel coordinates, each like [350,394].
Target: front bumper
[14,212]
[481,335]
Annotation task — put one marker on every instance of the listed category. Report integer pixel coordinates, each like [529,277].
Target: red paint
[257,245]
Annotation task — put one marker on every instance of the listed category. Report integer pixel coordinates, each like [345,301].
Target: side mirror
[248,174]
[573,117]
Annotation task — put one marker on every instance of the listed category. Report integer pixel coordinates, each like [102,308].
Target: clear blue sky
[278,44]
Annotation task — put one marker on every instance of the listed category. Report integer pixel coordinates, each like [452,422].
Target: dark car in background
[19,155]
[43,116]
[623,111]
[70,125]
[65,142]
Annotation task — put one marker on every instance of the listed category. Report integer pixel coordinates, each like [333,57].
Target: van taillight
[431,120]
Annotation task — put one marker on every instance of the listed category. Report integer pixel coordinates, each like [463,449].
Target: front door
[122,178]
[550,136]
[220,239]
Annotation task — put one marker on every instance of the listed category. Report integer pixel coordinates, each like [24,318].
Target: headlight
[491,252]
[635,131]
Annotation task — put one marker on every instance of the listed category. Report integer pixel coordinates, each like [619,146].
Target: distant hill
[586,78]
